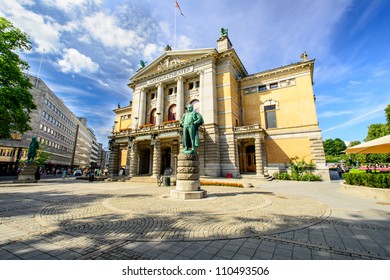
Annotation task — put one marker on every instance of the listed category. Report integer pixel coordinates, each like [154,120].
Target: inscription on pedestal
[27,174]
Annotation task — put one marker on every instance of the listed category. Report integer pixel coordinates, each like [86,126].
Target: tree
[334,147]
[354,143]
[377,130]
[387,114]
[16,101]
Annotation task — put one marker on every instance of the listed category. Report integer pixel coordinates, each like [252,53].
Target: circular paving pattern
[149,213]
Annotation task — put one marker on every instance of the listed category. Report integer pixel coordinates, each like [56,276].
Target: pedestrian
[339,171]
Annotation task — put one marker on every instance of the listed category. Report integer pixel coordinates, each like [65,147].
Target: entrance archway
[250,159]
[144,161]
[165,158]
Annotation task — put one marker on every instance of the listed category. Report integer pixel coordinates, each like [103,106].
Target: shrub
[373,180]
[300,171]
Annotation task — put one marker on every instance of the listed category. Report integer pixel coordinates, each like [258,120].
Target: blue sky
[91,48]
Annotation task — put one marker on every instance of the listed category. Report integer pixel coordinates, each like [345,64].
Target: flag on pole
[177,5]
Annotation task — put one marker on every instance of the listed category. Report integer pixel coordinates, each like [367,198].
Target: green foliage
[354,143]
[377,130]
[373,180]
[16,101]
[42,156]
[387,114]
[300,171]
[334,146]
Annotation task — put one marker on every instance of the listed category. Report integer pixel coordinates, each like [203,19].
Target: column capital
[159,85]
[200,72]
[180,78]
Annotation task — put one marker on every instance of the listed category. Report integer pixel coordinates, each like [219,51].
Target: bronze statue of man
[191,121]
[32,149]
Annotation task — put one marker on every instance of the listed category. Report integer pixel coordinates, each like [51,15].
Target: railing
[166,126]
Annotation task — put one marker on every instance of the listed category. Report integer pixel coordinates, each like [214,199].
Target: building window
[195,105]
[172,113]
[172,90]
[193,85]
[262,88]
[153,95]
[273,85]
[270,116]
[153,116]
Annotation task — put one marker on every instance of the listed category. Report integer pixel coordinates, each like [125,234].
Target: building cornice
[281,70]
[143,75]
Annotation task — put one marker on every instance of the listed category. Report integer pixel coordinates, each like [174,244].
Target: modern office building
[253,123]
[63,135]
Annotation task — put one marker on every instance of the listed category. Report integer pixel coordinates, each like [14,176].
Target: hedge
[297,177]
[373,180]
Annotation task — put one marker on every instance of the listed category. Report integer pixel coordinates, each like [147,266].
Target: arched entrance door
[144,161]
[250,159]
[165,159]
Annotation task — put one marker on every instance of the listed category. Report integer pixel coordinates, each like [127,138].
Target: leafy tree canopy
[334,146]
[377,130]
[354,143]
[16,101]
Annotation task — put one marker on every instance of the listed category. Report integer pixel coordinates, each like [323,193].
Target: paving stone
[203,256]
[166,256]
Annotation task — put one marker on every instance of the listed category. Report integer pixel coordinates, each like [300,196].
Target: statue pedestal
[27,174]
[187,183]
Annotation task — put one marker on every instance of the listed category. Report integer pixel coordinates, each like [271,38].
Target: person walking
[339,171]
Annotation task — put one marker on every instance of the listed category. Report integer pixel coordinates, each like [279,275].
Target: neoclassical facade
[254,123]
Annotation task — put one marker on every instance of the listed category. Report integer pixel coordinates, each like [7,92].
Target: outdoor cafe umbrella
[376,146]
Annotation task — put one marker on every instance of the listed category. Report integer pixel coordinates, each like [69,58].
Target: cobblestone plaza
[69,219]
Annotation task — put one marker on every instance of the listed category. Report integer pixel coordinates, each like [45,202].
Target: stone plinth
[27,173]
[187,183]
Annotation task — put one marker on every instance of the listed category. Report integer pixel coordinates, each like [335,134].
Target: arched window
[153,116]
[172,113]
[195,105]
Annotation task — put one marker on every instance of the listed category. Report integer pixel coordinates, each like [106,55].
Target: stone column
[160,103]
[134,159]
[128,157]
[113,167]
[142,108]
[156,158]
[237,157]
[201,95]
[259,157]
[180,98]
[264,155]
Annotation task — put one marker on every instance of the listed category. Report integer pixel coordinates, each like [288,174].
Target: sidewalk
[133,220]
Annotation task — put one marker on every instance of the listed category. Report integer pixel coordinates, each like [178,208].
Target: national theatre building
[253,123]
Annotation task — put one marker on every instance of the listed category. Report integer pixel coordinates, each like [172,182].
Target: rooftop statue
[304,57]
[142,63]
[224,32]
[191,121]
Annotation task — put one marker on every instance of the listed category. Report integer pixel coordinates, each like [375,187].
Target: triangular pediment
[170,61]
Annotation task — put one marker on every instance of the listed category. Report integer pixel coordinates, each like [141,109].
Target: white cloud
[43,30]
[369,114]
[183,43]
[105,29]
[71,5]
[150,50]
[75,62]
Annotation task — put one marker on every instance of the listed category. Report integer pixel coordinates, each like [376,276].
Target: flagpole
[174,36]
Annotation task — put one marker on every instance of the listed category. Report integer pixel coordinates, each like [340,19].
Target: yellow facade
[253,123]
